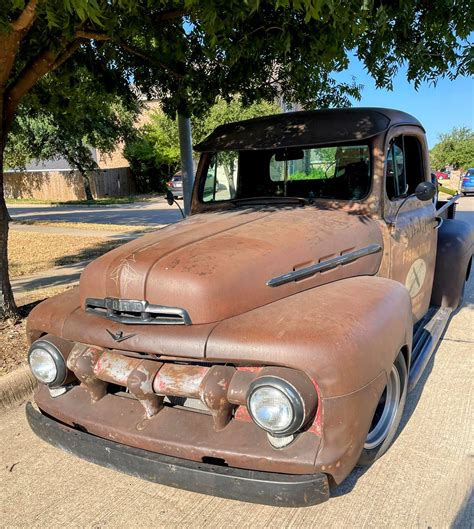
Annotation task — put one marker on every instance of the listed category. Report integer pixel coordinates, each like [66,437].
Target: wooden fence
[68,185]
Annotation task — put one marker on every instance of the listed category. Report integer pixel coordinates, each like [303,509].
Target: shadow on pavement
[465,515]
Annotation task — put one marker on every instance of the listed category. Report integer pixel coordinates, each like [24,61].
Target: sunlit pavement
[422,481]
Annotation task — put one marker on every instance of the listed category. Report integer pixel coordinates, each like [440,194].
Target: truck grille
[136,312]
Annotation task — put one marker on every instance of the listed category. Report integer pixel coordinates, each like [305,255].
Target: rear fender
[453,259]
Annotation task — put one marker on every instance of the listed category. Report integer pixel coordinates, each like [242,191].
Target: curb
[16,387]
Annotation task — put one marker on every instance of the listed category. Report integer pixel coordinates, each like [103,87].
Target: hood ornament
[119,336]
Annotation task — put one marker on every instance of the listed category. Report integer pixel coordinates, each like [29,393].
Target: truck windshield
[339,172]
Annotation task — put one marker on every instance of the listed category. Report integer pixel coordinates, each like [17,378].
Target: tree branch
[30,74]
[10,41]
[149,59]
[26,18]
[66,53]
[92,35]
[173,13]
[96,35]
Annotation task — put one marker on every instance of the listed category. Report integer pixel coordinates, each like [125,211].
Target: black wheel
[387,415]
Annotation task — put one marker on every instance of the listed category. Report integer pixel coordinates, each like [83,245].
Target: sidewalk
[67,275]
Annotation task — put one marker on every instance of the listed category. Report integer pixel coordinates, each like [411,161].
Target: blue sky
[439,108]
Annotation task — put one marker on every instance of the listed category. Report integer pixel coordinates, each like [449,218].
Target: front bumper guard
[282,490]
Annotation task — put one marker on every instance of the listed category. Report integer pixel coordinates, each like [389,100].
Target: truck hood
[216,265]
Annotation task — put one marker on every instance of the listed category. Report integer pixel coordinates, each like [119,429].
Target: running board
[427,335]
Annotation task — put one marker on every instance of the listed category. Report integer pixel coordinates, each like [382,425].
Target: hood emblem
[119,336]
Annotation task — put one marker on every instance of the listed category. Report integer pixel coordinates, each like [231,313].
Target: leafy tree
[189,52]
[455,148]
[155,155]
[88,117]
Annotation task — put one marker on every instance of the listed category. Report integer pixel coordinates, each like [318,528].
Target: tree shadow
[89,253]
[465,514]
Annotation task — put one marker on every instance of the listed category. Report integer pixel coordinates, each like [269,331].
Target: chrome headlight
[275,406]
[47,364]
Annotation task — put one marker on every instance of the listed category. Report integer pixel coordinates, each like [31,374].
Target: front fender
[345,336]
[342,334]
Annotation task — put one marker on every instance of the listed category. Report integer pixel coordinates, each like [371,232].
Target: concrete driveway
[150,213]
[423,481]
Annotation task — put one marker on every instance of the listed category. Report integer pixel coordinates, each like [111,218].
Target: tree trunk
[8,308]
[87,185]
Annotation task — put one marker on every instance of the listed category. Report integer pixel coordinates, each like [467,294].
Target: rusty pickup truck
[264,346]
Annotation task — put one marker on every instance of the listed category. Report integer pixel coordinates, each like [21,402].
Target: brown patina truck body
[278,280]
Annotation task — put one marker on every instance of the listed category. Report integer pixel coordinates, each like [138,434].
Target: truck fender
[342,334]
[453,262]
[345,336]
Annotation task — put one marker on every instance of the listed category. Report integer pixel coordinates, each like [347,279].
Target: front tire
[388,414]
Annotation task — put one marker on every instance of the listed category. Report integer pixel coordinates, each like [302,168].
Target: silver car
[175,185]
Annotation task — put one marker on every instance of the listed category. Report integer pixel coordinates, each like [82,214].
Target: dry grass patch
[30,253]
[86,226]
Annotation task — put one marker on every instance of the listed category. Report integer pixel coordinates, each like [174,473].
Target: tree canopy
[455,149]
[186,53]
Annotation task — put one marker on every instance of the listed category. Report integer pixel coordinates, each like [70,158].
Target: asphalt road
[423,481]
[153,213]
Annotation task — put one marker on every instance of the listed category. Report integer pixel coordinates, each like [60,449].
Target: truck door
[412,223]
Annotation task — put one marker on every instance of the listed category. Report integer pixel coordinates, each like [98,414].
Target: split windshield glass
[339,172]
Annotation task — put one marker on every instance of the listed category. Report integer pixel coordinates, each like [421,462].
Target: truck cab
[264,346]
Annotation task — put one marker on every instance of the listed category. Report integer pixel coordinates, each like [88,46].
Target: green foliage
[189,53]
[456,148]
[154,155]
[317,173]
[50,124]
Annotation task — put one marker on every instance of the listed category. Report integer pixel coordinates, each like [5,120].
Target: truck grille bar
[136,312]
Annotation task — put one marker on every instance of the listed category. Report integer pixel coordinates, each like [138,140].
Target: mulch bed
[13,344]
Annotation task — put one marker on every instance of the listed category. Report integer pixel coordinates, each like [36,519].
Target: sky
[439,108]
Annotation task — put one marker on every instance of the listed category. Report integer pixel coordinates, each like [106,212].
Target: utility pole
[187,165]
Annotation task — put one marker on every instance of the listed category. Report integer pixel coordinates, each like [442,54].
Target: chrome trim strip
[121,311]
[323,266]
[449,203]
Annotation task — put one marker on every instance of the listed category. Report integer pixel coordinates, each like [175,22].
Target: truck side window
[395,177]
[413,162]
[404,167]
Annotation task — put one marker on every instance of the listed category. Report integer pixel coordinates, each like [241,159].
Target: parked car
[467,183]
[175,185]
[442,175]
[263,347]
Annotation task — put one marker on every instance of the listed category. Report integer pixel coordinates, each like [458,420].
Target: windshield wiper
[269,200]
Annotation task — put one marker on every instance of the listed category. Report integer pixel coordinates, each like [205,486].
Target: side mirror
[169,197]
[171,200]
[425,191]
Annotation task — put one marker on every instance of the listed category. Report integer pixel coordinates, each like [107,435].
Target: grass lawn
[30,252]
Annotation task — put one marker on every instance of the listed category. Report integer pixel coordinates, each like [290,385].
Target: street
[156,212]
[423,480]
